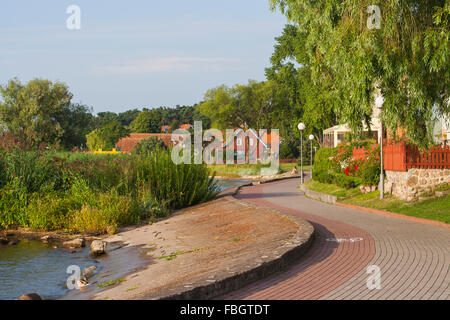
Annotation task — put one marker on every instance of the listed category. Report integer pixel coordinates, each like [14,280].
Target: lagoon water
[35,267]
[227,184]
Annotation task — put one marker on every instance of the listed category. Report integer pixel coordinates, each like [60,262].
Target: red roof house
[127,144]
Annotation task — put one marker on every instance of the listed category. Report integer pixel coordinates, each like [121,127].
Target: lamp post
[301,127]
[311,138]
[379,104]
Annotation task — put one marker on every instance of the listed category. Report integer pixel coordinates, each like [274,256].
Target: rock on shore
[77,243]
[30,296]
[98,247]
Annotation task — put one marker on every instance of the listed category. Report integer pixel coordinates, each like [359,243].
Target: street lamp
[379,104]
[301,127]
[311,138]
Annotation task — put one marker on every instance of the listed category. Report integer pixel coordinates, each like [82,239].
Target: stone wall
[415,182]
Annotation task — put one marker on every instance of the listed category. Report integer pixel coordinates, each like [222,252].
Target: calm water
[227,184]
[35,267]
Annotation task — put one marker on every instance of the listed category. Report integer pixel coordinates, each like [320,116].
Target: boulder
[88,272]
[98,247]
[47,239]
[3,240]
[77,243]
[30,296]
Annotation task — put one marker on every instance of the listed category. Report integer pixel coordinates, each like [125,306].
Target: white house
[332,137]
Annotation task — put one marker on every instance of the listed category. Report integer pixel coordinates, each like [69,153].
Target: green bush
[323,176]
[148,146]
[177,186]
[322,161]
[95,194]
[370,173]
[50,213]
[345,181]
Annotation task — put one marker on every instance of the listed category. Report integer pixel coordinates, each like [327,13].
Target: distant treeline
[41,114]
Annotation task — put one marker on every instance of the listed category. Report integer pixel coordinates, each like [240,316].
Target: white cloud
[171,64]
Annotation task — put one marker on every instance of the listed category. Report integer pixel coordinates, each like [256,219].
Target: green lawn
[434,209]
[239,170]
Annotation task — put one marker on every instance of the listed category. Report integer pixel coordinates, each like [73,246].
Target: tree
[106,137]
[148,121]
[259,105]
[407,59]
[106,117]
[174,125]
[148,146]
[127,117]
[77,123]
[310,101]
[35,112]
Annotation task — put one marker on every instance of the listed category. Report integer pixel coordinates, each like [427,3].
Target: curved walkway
[414,258]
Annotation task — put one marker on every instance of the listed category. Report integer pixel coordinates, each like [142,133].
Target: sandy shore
[198,245]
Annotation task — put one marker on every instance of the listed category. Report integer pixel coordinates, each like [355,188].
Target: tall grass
[95,194]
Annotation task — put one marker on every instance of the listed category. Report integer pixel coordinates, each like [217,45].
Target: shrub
[346,182]
[322,161]
[177,186]
[323,176]
[148,146]
[371,169]
[50,213]
[106,215]
[95,194]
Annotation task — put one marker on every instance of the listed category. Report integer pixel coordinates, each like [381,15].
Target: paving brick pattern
[414,258]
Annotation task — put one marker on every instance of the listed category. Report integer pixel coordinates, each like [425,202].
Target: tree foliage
[407,58]
[259,105]
[149,146]
[35,112]
[106,137]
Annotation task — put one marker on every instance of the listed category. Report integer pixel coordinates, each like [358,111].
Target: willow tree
[400,47]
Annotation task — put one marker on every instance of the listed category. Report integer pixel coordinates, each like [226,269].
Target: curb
[318,195]
[233,191]
[283,258]
[333,200]
[396,215]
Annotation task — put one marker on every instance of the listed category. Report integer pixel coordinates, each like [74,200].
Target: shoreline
[125,251]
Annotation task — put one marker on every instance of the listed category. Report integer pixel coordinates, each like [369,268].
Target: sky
[138,53]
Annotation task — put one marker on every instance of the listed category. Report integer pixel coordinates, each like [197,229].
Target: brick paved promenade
[414,258]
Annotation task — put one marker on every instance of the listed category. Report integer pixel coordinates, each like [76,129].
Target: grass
[110,283]
[332,189]
[437,209]
[174,255]
[239,170]
[95,194]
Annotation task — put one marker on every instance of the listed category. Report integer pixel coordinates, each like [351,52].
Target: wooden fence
[401,157]
[435,158]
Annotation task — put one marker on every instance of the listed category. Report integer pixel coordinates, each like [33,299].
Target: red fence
[288,160]
[401,157]
[395,157]
[360,153]
[435,158]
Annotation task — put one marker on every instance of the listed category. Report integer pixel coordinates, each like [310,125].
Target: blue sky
[136,53]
